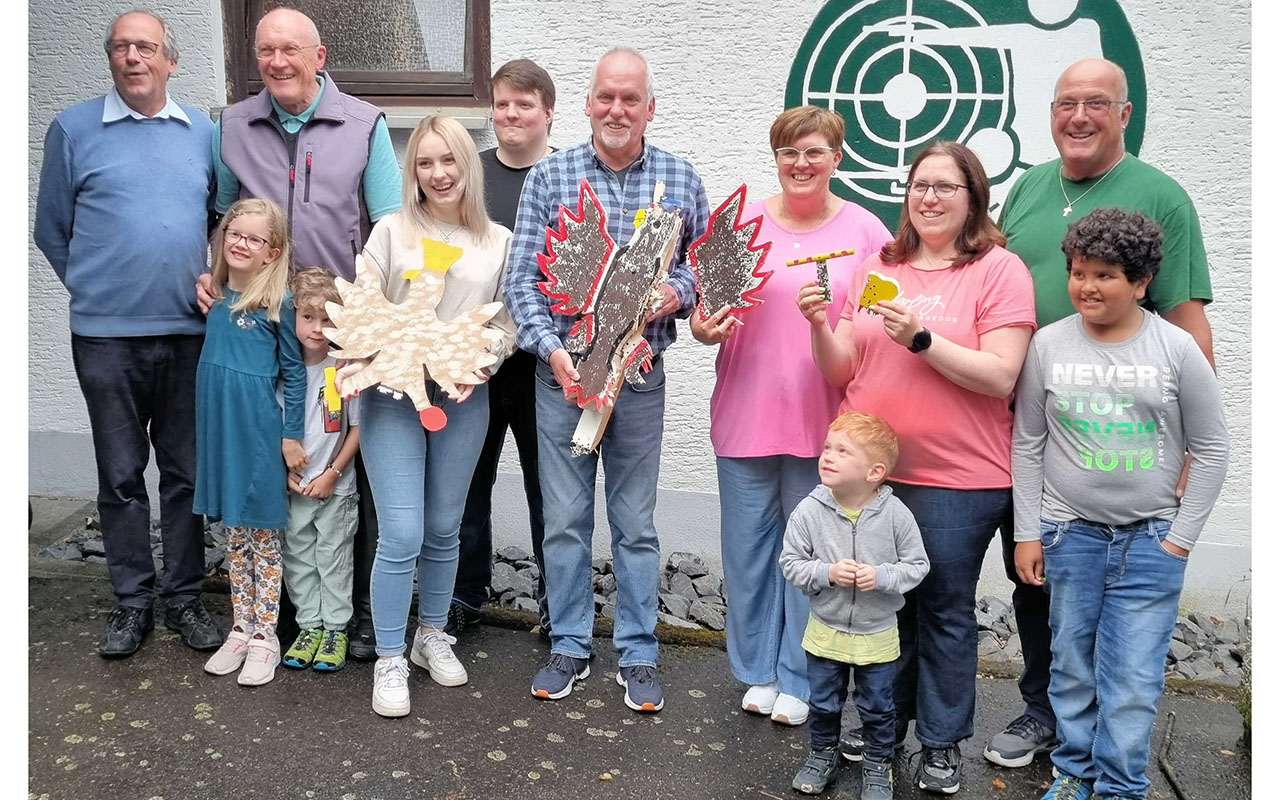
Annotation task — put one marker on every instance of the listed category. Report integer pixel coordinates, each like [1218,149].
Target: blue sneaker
[555,680]
[1068,787]
[644,691]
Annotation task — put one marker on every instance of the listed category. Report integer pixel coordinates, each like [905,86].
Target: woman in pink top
[939,363]
[770,408]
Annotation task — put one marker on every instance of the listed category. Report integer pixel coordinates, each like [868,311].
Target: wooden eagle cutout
[727,261]
[408,343]
[611,289]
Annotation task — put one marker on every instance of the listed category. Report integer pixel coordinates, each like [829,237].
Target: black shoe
[460,617]
[362,646]
[126,628]
[939,769]
[877,780]
[199,631]
[816,772]
[852,744]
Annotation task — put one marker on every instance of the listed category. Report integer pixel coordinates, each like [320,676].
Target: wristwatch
[921,341]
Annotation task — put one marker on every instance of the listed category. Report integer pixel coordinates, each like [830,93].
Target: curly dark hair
[1128,239]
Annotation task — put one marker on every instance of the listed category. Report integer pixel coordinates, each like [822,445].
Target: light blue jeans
[419,482]
[630,450]
[767,615]
[1112,607]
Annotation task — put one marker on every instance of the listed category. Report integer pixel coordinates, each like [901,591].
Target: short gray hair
[170,43]
[1123,83]
[648,73]
[311,24]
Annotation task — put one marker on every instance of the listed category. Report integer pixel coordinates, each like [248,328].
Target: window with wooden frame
[388,52]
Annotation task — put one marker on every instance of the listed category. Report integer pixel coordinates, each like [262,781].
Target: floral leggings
[254,564]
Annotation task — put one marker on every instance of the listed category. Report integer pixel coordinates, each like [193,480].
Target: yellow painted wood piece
[331,398]
[795,262]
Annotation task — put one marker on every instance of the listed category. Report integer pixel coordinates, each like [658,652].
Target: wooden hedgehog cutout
[727,260]
[612,289]
[878,287]
[408,343]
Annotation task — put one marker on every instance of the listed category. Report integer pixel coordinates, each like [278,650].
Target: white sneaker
[432,652]
[760,698]
[391,687]
[790,710]
[230,656]
[262,656]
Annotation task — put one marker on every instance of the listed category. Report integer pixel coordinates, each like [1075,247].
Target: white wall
[720,70]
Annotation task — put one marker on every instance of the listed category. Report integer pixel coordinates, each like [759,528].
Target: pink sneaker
[261,661]
[230,655]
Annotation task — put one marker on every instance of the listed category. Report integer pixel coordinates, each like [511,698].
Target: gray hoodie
[886,537]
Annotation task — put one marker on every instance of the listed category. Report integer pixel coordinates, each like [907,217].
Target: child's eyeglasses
[254,243]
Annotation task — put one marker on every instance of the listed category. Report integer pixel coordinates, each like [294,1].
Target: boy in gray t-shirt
[323,510]
[1109,402]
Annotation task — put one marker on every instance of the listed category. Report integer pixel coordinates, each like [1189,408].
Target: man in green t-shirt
[1088,115]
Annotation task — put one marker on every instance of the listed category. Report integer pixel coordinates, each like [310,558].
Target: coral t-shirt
[770,398]
[948,436]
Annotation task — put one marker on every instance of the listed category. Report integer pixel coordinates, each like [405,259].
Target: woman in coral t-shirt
[939,363]
[770,408]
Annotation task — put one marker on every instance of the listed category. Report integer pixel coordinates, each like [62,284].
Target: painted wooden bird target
[611,290]
[727,261]
[408,343]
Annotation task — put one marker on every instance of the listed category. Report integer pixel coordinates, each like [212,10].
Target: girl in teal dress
[242,444]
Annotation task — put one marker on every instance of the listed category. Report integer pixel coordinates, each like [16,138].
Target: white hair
[648,73]
[311,25]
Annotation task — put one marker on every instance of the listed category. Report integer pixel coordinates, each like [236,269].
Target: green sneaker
[332,655]
[303,651]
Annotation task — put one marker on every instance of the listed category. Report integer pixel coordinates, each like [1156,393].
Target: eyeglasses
[289,51]
[941,189]
[790,155]
[120,48]
[1094,108]
[254,243]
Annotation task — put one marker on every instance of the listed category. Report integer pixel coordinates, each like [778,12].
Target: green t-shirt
[1032,218]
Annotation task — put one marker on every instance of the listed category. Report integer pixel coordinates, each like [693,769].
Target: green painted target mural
[906,72]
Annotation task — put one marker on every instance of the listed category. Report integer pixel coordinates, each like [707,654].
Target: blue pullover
[123,215]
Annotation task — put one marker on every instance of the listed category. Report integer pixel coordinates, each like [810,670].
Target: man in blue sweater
[123,215]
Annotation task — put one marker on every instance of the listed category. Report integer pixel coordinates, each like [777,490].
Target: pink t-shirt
[769,398]
[948,436]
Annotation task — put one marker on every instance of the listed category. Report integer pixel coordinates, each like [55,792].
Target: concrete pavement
[156,726]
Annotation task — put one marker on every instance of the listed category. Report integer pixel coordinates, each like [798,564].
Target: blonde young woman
[420,479]
[763,374]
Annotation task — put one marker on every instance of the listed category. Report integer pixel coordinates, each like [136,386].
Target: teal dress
[240,470]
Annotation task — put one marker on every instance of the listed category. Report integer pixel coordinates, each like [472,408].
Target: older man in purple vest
[325,158]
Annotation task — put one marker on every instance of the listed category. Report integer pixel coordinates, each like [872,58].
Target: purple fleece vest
[315,175]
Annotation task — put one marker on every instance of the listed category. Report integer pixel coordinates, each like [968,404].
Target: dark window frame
[380,87]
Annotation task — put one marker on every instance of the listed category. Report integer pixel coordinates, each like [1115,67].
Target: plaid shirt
[553,182]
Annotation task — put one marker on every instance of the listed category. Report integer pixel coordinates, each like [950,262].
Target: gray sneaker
[817,771]
[852,744]
[877,780]
[1018,743]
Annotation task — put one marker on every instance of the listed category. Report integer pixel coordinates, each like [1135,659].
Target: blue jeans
[767,615]
[140,392]
[630,450]
[1112,610]
[936,626]
[873,688]
[419,482]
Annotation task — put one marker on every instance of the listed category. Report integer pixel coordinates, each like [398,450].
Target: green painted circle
[903,73]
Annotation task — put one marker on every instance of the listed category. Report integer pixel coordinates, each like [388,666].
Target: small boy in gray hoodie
[855,549]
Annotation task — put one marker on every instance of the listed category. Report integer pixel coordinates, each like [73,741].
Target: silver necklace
[446,236]
[1063,186]
[826,217]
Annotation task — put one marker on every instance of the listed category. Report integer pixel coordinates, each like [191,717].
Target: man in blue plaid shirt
[622,169]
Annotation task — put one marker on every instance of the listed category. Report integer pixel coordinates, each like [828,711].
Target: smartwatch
[921,341]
